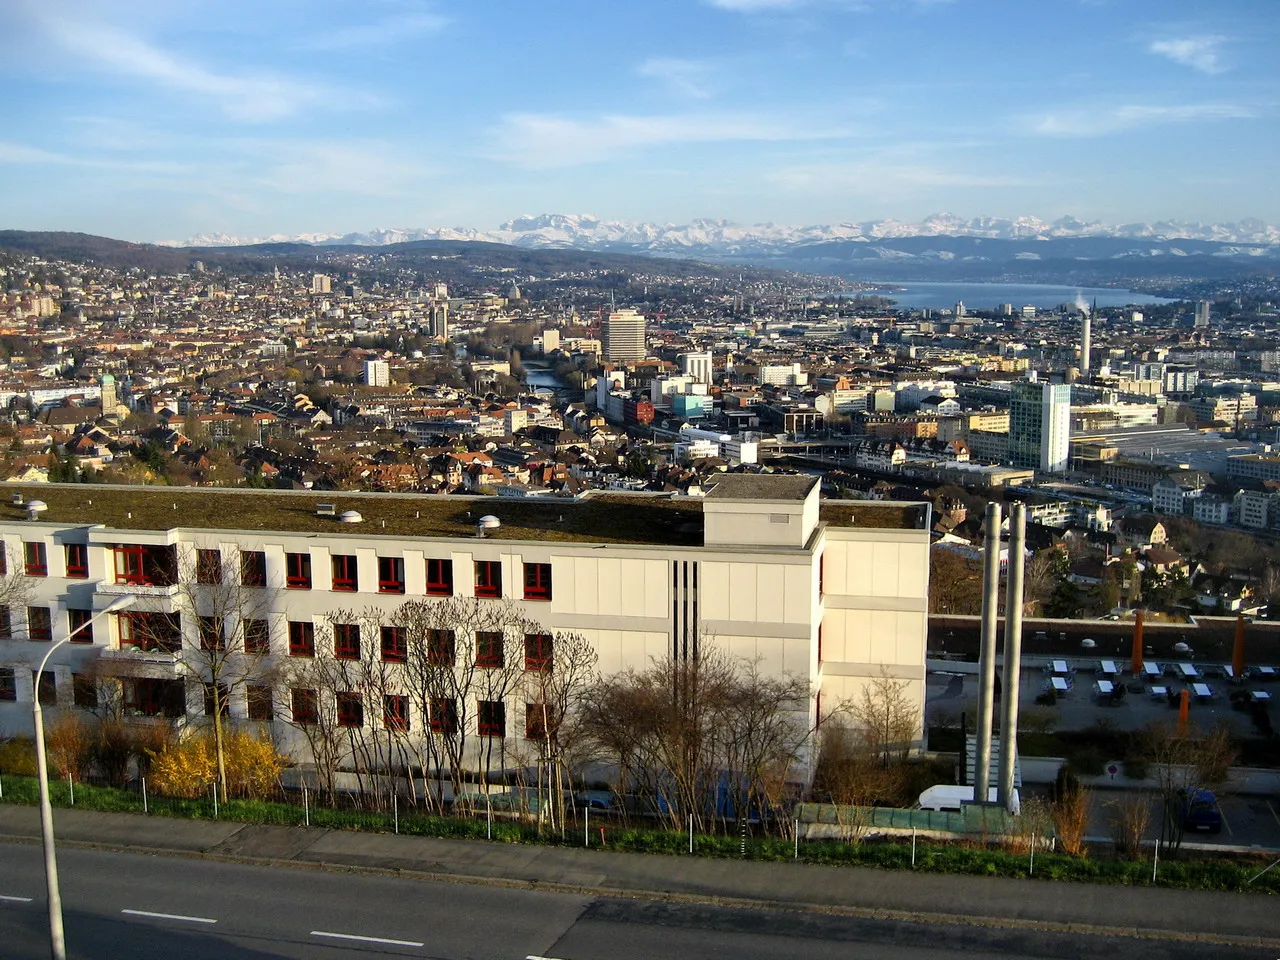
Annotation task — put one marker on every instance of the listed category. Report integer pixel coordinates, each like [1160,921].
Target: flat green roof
[600,518]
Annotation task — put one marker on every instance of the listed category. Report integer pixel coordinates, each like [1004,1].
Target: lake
[921,295]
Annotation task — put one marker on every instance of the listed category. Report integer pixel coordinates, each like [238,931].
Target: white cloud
[684,77]
[541,140]
[411,21]
[1096,122]
[1199,53]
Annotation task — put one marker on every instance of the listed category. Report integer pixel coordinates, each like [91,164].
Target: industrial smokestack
[1086,345]
[987,653]
[1012,655]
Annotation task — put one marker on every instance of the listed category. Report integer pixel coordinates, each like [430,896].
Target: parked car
[1201,812]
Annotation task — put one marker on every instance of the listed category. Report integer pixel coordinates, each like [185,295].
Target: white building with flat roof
[835,593]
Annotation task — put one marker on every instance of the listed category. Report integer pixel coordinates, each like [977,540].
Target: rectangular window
[211,633]
[489,649]
[489,578]
[151,631]
[78,561]
[491,718]
[538,719]
[537,581]
[395,644]
[305,705]
[253,568]
[537,652]
[350,709]
[391,575]
[346,641]
[223,694]
[344,572]
[6,622]
[440,578]
[257,637]
[4,559]
[36,560]
[259,701]
[84,691]
[297,571]
[208,566]
[80,626]
[144,697]
[48,691]
[302,638]
[444,715]
[440,648]
[39,624]
[144,566]
[8,685]
[395,712]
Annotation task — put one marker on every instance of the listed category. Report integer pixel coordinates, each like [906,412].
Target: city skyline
[154,121]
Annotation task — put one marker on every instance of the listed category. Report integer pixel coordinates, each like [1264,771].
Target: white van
[946,796]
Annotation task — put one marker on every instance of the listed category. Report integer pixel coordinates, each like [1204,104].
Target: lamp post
[57,943]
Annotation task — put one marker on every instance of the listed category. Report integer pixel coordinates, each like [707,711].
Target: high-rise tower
[1040,426]
[624,339]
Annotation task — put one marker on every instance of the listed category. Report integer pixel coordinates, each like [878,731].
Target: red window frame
[39,624]
[4,559]
[439,578]
[6,622]
[253,568]
[538,652]
[346,641]
[82,621]
[442,648]
[490,649]
[444,715]
[395,712]
[47,690]
[35,559]
[78,561]
[305,705]
[489,579]
[346,572]
[350,708]
[297,571]
[208,566]
[8,685]
[537,581]
[391,574]
[395,644]
[130,563]
[148,630]
[302,638]
[257,636]
[491,718]
[212,632]
[537,718]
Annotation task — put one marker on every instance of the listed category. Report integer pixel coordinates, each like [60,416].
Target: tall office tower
[377,373]
[696,365]
[441,291]
[321,284]
[1086,345]
[1202,314]
[439,319]
[959,309]
[1040,426]
[624,336]
[550,341]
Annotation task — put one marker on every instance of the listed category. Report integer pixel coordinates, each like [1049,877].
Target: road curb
[668,896]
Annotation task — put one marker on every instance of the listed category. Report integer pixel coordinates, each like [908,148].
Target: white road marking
[167,916]
[539,958]
[353,936]
[15,899]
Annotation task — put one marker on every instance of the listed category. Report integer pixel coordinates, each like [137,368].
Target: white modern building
[1040,426]
[624,336]
[377,373]
[833,592]
[697,366]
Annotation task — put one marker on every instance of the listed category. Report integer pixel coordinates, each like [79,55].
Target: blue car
[1201,811]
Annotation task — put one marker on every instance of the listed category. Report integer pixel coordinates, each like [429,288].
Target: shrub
[69,746]
[184,769]
[18,757]
[187,769]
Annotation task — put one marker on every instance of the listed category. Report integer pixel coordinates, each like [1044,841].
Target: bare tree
[1183,765]
[888,716]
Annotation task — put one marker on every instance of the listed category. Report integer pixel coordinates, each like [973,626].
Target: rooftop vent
[17,499]
[350,516]
[487,522]
[325,510]
[1181,647]
[35,508]
[1087,644]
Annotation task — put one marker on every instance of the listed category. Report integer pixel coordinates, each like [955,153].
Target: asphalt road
[141,907]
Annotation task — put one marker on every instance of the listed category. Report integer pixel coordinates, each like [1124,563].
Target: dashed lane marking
[167,916]
[357,937]
[15,899]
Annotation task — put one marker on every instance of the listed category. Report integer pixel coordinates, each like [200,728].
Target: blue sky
[158,119]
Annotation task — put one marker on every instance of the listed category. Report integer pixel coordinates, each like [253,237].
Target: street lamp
[57,943]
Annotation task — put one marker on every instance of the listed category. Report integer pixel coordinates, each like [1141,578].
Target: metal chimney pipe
[1012,654]
[987,653]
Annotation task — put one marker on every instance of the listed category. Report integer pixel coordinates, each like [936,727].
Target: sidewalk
[1084,907]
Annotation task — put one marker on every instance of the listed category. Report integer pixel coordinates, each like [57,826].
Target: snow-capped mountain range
[721,237]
